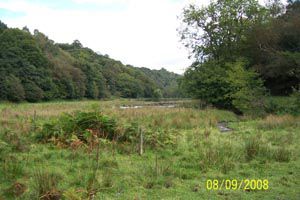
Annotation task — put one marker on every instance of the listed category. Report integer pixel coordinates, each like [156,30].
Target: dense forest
[243,51]
[35,68]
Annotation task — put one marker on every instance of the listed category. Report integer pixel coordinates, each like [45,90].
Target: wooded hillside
[35,68]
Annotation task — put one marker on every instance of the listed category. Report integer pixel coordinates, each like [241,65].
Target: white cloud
[143,34]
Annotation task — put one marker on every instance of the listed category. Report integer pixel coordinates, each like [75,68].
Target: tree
[2,26]
[218,30]
[275,7]
[273,49]
[157,94]
[246,89]
[46,70]
[14,89]
[77,44]
[207,81]
[228,85]
[26,29]
[32,92]
[128,86]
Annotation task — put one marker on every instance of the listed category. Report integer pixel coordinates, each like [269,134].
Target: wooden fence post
[141,141]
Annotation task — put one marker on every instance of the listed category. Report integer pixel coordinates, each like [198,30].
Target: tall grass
[182,148]
[274,122]
[46,184]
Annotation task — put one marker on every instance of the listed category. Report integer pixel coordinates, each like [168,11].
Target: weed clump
[46,185]
[252,146]
[16,190]
[11,167]
[282,155]
[256,148]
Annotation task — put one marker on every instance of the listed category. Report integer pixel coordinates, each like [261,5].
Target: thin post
[141,141]
[34,120]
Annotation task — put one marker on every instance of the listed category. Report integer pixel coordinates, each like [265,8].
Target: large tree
[218,30]
[273,49]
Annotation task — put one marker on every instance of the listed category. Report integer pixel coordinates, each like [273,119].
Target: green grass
[188,149]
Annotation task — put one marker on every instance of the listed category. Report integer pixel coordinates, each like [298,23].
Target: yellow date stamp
[235,184]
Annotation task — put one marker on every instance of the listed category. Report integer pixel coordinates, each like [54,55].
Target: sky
[141,33]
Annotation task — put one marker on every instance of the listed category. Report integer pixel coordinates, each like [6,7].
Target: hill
[35,68]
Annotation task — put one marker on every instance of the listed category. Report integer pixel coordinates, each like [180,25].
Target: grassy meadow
[183,148]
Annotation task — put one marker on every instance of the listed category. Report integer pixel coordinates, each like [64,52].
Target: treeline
[243,52]
[35,68]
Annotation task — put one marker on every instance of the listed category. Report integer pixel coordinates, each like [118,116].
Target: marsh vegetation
[90,150]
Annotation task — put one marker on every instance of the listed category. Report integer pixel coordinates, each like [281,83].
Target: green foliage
[185,147]
[229,86]
[81,124]
[252,147]
[246,89]
[207,81]
[33,92]
[283,105]
[72,194]
[282,154]
[2,26]
[48,71]
[14,89]
[166,81]
[219,37]
[46,184]
[128,86]
[216,31]
[273,49]
[157,95]
[296,101]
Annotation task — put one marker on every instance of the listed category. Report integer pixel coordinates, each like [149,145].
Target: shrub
[283,105]
[296,101]
[160,138]
[82,124]
[130,133]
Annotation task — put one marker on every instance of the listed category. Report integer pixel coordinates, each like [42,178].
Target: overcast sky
[137,32]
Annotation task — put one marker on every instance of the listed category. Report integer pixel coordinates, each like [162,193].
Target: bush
[228,85]
[296,101]
[81,124]
[283,105]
